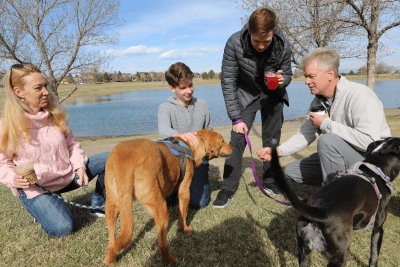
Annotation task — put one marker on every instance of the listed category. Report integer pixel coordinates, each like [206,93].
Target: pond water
[136,112]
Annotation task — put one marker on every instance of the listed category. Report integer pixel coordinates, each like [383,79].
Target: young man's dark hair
[262,21]
[178,72]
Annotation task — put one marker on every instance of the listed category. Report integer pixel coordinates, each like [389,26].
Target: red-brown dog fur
[148,171]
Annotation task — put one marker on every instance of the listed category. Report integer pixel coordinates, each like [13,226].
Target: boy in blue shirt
[182,116]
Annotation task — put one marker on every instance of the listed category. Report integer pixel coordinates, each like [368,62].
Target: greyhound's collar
[355,170]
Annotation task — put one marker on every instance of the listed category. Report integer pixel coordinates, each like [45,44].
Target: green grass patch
[252,230]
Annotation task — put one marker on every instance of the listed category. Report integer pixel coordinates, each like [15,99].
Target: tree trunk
[371,62]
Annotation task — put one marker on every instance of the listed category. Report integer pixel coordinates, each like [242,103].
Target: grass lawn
[252,230]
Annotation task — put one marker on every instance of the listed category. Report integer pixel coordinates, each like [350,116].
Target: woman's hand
[20,182]
[83,178]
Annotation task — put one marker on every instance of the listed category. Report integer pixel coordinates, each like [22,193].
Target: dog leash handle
[254,168]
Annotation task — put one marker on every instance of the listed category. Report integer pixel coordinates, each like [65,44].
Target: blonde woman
[34,128]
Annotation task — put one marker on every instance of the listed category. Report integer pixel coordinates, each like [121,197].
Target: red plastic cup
[272,80]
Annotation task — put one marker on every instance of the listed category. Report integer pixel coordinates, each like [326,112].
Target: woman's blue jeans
[52,213]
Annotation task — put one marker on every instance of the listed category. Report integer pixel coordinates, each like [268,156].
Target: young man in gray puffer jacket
[260,47]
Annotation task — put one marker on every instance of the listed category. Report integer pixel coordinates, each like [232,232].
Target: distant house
[86,77]
[196,75]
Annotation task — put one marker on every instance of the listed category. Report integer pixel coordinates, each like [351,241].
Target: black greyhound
[357,199]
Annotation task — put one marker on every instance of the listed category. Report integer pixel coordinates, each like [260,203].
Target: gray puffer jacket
[239,70]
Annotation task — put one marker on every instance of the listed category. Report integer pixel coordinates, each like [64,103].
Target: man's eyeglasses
[16,66]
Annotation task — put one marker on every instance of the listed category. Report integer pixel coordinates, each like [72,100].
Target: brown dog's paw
[110,260]
[171,259]
[188,229]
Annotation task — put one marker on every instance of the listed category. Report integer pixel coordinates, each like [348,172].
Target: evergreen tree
[96,78]
[106,77]
[204,76]
[211,74]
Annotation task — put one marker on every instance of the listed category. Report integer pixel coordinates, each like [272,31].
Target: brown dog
[149,171]
[348,203]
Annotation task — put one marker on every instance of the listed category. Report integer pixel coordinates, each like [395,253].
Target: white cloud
[161,20]
[193,52]
[133,51]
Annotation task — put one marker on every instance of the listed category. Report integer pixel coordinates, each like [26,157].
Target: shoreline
[287,124]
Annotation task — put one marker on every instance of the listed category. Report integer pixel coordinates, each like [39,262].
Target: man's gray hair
[327,59]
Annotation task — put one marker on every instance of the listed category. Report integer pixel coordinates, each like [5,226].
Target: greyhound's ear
[372,146]
[393,145]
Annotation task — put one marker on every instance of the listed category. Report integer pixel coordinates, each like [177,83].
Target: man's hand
[280,77]
[240,127]
[316,119]
[265,153]
[188,137]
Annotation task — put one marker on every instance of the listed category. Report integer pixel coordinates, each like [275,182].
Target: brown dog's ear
[393,145]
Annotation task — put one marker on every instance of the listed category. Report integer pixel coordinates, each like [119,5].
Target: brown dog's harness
[357,172]
[182,151]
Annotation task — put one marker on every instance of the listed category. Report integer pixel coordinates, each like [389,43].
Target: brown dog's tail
[312,213]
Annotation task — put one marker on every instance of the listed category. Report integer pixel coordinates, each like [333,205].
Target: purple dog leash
[254,169]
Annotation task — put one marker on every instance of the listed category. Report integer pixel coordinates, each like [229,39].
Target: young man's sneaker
[271,189]
[222,199]
[97,213]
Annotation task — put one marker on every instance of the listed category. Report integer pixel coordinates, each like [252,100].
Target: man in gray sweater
[182,116]
[354,118]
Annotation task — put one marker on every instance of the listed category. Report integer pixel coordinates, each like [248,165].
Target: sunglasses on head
[17,66]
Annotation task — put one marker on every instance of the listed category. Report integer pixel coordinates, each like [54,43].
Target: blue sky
[158,33]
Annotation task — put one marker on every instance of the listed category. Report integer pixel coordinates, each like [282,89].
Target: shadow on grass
[302,190]
[234,242]
[173,216]
[214,178]
[394,206]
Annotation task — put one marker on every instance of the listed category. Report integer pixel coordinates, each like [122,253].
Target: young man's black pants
[271,108]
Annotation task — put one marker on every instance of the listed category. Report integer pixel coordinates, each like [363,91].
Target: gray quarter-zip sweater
[356,116]
[173,117]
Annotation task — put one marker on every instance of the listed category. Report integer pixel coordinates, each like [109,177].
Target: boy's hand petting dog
[188,137]
[265,153]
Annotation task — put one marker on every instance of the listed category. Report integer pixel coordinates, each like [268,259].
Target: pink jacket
[51,152]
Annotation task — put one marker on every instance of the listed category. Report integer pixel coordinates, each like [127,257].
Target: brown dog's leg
[184,197]
[127,225]
[111,218]
[158,209]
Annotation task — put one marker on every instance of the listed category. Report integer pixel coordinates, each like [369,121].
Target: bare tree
[57,35]
[311,24]
[376,18]
[380,68]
